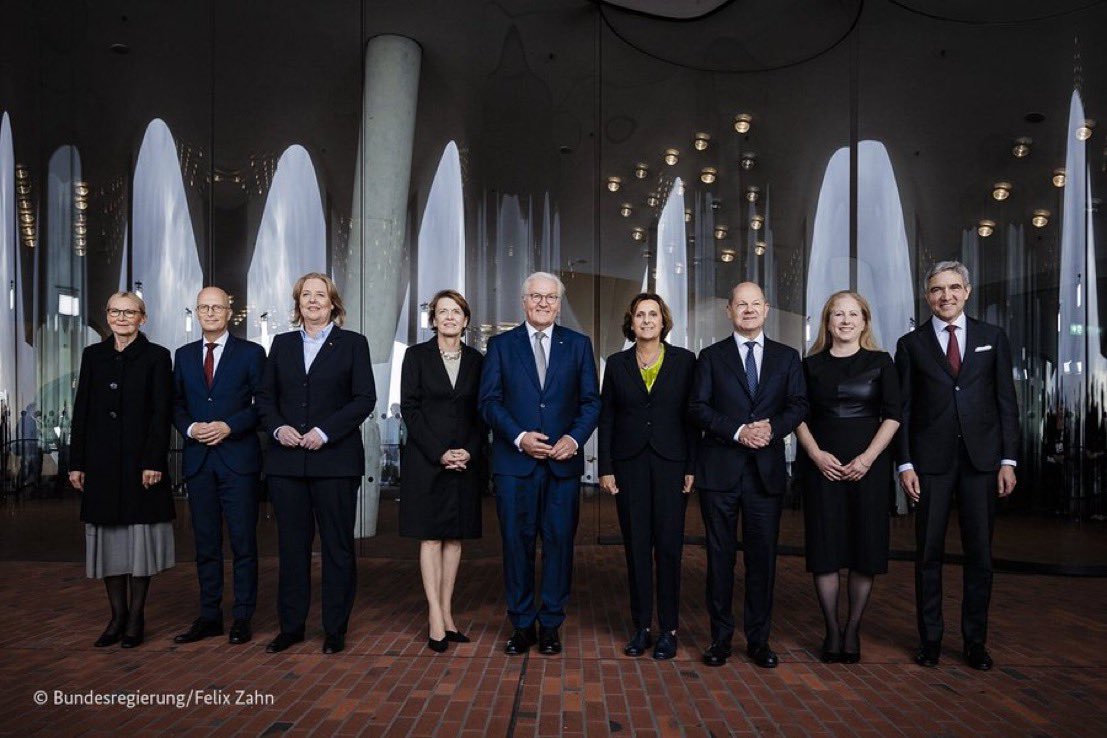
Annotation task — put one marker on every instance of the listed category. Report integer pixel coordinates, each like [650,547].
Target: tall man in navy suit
[215,379]
[958,440]
[539,395]
[748,393]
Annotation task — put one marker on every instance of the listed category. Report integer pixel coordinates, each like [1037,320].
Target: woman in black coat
[118,455]
[647,454]
[442,475]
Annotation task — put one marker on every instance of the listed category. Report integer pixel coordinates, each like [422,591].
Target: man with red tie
[958,443]
[214,381]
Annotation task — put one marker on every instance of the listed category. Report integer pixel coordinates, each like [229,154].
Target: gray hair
[948,266]
[544,275]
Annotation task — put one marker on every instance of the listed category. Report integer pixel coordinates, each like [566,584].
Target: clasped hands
[534,444]
[836,471]
[210,434]
[757,434]
[288,436]
[455,459]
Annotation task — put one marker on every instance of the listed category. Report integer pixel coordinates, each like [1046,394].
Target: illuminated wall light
[742,122]
[1084,132]
[720,232]
[672,156]
[756,222]
[1059,177]
[726,255]
[638,234]
[753,194]
[1040,218]
[986,228]
[748,161]
[614,183]
[701,141]
[759,248]
[688,215]
[625,210]
[1021,149]
[641,171]
[708,175]
[653,200]
[1001,190]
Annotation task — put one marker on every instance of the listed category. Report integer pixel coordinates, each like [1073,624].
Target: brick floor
[1049,639]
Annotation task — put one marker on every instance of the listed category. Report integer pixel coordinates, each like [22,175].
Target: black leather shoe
[716,654]
[283,641]
[639,643]
[110,636]
[456,636]
[666,646]
[334,644]
[762,655]
[977,657]
[440,645]
[240,631]
[928,654]
[851,657]
[828,654]
[520,641]
[200,630]
[549,642]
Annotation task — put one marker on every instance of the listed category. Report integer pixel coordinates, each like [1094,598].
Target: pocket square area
[984,348]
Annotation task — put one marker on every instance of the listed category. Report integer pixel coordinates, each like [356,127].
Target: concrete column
[375,283]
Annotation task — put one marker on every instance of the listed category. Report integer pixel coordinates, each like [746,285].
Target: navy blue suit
[222,479]
[733,477]
[538,497]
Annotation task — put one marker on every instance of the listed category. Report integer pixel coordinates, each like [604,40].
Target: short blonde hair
[338,310]
[129,296]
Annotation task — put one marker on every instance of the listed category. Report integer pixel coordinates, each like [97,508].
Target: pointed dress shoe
[928,654]
[439,645]
[199,630]
[110,636]
[549,642]
[334,643]
[240,632]
[520,641]
[666,646]
[639,643]
[762,655]
[283,641]
[716,654]
[456,636]
[977,657]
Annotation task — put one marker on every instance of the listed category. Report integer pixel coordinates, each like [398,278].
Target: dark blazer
[120,427]
[979,406]
[511,400]
[230,399]
[722,402]
[434,503]
[633,418]
[336,396]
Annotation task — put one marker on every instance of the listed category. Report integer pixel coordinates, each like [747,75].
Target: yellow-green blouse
[649,374]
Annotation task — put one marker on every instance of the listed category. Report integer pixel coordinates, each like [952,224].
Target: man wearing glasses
[214,380]
[539,394]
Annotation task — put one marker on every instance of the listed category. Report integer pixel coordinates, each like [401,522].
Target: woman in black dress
[647,454]
[442,474]
[119,457]
[853,392]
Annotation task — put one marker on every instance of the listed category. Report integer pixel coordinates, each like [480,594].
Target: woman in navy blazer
[316,391]
[647,457]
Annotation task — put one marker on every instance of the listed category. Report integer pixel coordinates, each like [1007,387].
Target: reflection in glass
[672,268]
[291,242]
[164,259]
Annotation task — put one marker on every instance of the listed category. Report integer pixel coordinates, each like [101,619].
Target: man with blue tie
[540,396]
[748,393]
[214,380]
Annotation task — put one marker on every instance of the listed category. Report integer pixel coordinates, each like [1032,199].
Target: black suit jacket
[335,396]
[632,418]
[979,406]
[722,402]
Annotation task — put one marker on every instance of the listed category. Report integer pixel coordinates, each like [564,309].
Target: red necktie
[209,364]
[953,351]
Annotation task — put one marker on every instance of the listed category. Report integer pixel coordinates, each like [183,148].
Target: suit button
[114,385]
[113,414]
[541,404]
[957,388]
[210,400]
[649,422]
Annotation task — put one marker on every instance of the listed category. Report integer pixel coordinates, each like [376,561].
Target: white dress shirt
[217,354]
[758,357]
[547,346]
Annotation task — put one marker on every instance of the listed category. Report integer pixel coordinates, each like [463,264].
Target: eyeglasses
[537,298]
[742,306]
[217,309]
[128,313]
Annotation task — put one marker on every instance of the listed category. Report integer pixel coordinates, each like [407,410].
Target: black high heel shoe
[828,656]
[132,641]
[456,636]
[111,635]
[851,657]
[440,645]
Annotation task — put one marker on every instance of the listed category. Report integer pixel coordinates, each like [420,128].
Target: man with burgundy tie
[958,441]
[214,380]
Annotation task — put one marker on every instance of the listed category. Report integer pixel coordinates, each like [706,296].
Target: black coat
[336,396]
[121,421]
[978,406]
[632,418]
[436,504]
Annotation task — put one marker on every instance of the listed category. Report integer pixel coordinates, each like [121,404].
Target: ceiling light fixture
[1040,218]
[1001,190]
[1021,149]
[742,122]
[985,228]
[614,183]
[1059,177]
[701,141]
[708,175]
[672,156]
[748,161]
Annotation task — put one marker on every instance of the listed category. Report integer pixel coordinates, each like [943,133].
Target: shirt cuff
[576,446]
[738,432]
[904,467]
[519,441]
[322,435]
[276,433]
[188,430]
[1008,462]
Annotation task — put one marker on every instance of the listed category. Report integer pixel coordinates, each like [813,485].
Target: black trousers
[299,503]
[975,492]
[651,508]
[760,513]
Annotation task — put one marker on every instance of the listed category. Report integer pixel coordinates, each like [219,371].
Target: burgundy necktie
[953,351]
[209,364]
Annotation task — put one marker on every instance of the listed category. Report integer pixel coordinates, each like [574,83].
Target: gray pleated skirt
[140,549]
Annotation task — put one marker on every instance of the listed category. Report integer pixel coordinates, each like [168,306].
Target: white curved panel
[672,263]
[291,242]
[828,267]
[1075,278]
[164,257]
[8,275]
[441,263]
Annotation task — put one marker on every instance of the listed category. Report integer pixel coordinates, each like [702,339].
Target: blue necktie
[751,366]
